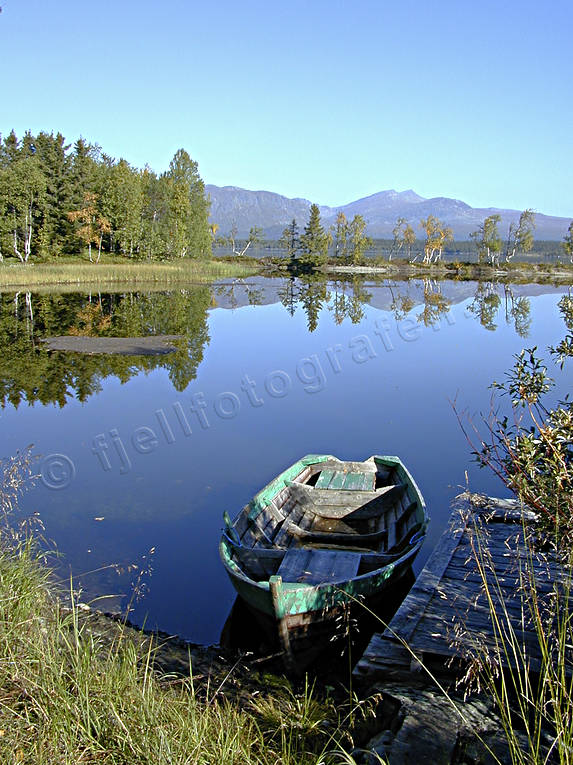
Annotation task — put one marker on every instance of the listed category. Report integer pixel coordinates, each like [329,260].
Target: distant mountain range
[272,212]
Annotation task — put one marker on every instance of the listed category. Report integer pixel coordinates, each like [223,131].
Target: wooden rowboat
[320,535]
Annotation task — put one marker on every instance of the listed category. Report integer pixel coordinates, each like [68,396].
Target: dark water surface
[141,455]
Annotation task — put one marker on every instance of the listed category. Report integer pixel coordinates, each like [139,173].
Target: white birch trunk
[28,235]
[16,250]
[29,307]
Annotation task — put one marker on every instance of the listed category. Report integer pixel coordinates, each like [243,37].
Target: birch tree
[91,226]
[358,242]
[122,202]
[256,236]
[488,240]
[403,234]
[520,235]
[22,189]
[187,208]
[437,235]
[340,231]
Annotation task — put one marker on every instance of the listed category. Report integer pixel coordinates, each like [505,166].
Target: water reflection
[426,300]
[347,298]
[31,373]
[488,300]
[236,292]
[341,645]
[435,303]
[370,378]
[517,311]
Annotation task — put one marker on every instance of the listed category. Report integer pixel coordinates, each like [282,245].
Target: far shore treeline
[58,199]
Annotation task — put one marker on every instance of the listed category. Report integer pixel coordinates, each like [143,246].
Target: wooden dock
[481,565]
[448,612]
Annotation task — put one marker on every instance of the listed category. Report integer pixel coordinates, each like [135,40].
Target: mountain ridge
[272,212]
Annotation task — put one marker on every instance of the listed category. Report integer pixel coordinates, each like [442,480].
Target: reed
[533,696]
[523,671]
[22,277]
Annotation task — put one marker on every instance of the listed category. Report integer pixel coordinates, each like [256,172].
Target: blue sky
[323,99]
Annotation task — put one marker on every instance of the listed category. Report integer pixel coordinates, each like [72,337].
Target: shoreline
[158,275]
[467,271]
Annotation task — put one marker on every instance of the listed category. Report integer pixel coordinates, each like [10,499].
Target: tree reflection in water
[31,373]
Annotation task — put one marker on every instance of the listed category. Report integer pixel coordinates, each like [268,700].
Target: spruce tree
[55,227]
[314,242]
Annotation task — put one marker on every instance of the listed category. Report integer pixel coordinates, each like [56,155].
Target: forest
[61,200]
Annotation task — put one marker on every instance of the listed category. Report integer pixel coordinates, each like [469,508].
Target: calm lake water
[141,455]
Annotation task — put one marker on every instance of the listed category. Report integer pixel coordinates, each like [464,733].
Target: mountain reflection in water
[31,373]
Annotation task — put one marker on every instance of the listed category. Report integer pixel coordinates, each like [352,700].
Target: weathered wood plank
[240,523]
[505,559]
[447,613]
[333,496]
[324,479]
[258,564]
[248,539]
[458,569]
[383,655]
[358,504]
[406,619]
[407,514]
[307,520]
[338,480]
[359,482]
[392,530]
[469,609]
[444,634]
[333,538]
[276,589]
[311,566]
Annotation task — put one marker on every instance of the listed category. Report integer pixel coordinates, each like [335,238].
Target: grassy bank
[110,272]
[72,691]
[69,696]
[118,272]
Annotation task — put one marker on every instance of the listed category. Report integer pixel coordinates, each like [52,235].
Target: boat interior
[365,512]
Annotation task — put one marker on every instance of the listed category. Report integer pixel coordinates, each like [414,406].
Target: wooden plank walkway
[448,614]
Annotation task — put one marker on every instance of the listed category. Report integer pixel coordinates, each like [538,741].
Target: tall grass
[521,660]
[530,681]
[109,273]
[66,696]
[67,699]
[70,695]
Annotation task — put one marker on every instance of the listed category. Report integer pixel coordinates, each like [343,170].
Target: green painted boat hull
[319,600]
[302,599]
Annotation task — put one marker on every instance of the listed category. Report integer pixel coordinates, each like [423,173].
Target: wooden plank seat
[358,504]
[345,481]
[315,566]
